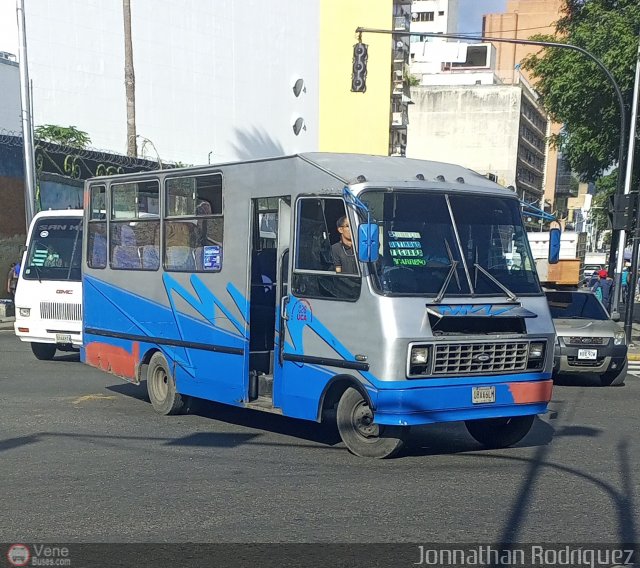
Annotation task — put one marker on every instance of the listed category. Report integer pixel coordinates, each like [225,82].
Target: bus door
[269,254]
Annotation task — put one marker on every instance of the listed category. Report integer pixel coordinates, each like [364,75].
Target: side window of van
[325,265]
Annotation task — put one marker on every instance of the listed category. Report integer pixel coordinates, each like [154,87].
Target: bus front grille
[479,358]
[60,311]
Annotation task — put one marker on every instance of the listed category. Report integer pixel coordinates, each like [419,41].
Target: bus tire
[494,433]
[43,351]
[354,418]
[161,387]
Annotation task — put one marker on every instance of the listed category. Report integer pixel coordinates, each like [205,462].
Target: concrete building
[10,117]
[521,20]
[214,80]
[496,130]
[430,16]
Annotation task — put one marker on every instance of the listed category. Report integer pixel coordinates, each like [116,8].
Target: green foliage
[65,136]
[605,188]
[576,92]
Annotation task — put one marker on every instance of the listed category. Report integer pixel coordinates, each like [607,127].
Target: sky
[471,12]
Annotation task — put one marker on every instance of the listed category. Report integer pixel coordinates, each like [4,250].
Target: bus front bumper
[429,405]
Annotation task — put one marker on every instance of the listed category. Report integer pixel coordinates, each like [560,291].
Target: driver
[342,252]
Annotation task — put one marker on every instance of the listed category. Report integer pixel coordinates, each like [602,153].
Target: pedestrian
[12,279]
[603,289]
[624,281]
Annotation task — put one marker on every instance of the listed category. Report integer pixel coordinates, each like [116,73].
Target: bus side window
[314,272]
[97,228]
[194,223]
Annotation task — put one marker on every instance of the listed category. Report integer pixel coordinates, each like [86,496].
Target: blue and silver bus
[220,283]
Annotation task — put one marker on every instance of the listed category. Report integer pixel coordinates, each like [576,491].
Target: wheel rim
[160,384]
[362,422]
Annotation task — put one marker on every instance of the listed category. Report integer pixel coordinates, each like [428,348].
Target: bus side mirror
[368,242]
[554,245]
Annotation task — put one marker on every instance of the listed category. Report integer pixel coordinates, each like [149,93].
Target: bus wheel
[361,436]
[161,387]
[44,351]
[496,433]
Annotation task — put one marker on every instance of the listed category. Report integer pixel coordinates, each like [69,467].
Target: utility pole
[129,82]
[633,277]
[27,119]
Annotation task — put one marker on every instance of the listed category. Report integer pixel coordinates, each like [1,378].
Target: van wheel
[614,378]
[358,432]
[44,351]
[161,387]
[496,433]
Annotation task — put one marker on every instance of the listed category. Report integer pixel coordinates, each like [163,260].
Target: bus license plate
[483,395]
[63,338]
[588,354]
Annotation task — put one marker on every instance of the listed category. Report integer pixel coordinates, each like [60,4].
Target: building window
[424,17]
[441,13]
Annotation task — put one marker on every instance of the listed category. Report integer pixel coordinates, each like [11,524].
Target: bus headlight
[24,312]
[418,360]
[536,350]
[619,338]
[419,355]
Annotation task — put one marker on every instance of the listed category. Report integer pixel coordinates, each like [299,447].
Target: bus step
[263,403]
[265,386]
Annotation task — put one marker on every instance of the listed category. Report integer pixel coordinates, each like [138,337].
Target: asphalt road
[83,458]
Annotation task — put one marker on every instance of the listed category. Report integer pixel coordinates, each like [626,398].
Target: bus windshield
[445,244]
[55,250]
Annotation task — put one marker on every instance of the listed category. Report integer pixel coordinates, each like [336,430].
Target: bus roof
[353,169]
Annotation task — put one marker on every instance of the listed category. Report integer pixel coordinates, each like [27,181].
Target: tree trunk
[129,82]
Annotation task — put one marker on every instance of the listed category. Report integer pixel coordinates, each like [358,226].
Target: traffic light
[623,210]
[359,75]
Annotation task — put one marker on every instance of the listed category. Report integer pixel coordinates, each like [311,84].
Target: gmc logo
[64,291]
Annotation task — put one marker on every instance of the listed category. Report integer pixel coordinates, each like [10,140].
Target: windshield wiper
[497,282]
[37,272]
[445,284]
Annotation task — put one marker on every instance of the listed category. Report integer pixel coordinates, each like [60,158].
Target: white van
[49,294]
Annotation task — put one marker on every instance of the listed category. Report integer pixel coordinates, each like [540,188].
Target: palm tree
[129,81]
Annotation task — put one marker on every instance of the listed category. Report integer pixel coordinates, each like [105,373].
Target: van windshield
[55,250]
[445,244]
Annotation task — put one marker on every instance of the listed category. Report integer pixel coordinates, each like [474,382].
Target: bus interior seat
[150,256]
[99,251]
[125,256]
[180,258]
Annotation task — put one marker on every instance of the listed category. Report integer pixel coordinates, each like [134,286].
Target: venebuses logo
[18,555]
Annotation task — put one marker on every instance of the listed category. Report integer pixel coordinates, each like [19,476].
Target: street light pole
[633,277]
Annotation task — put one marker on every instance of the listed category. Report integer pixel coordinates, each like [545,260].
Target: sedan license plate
[588,354]
[63,338]
[483,395]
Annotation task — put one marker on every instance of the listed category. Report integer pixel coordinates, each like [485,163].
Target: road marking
[634,368]
[88,397]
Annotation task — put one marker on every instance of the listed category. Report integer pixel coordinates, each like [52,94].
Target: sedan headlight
[24,312]
[619,338]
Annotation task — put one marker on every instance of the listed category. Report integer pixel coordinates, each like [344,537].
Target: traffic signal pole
[617,237]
